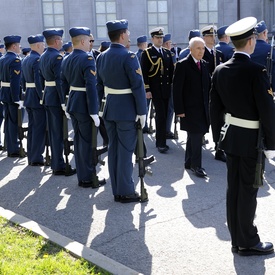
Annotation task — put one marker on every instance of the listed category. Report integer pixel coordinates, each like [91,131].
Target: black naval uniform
[241,88]
[157,70]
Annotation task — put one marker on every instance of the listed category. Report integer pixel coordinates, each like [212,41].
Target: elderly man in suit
[190,90]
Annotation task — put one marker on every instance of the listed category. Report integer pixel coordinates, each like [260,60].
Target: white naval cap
[209,30]
[158,32]
[242,28]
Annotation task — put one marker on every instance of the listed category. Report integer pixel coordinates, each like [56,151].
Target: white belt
[244,123]
[5,84]
[108,90]
[50,83]
[80,89]
[30,85]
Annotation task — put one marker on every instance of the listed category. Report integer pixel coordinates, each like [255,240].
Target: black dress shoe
[37,164]
[170,135]
[14,155]
[130,198]
[220,155]
[264,248]
[87,184]
[163,149]
[67,173]
[1,147]
[199,172]
[117,198]
[234,249]
[187,166]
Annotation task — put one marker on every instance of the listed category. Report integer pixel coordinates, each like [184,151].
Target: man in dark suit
[157,70]
[241,93]
[213,58]
[190,89]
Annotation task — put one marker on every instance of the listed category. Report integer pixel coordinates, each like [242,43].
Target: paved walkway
[181,230]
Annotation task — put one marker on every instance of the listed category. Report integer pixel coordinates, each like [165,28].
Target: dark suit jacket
[209,58]
[191,95]
[157,80]
[241,87]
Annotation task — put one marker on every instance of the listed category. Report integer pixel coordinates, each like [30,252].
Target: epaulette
[59,57]
[133,55]
[90,57]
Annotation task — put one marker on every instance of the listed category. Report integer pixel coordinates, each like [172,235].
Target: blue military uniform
[50,66]
[262,52]
[119,74]
[31,83]
[1,105]
[222,46]
[78,76]
[140,39]
[66,47]
[10,73]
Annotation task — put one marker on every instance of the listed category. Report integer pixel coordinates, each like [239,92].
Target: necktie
[199,65]
[160,51]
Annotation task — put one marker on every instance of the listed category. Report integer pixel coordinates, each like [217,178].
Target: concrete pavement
[180,230]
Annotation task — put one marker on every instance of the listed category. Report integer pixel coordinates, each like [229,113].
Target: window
[53,14]
[105,11]
[208,12]
[157,14]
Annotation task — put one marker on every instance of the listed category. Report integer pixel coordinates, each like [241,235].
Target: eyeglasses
[92,41]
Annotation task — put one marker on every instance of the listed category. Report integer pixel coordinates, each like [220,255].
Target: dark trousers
[193,149]
[161,108]
[36,134]
[82,124]
[122,142]
[1,117]
[55,131]
[11,127]
[241,200]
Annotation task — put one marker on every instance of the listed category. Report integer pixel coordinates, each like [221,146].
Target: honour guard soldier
[213,58]
[31,83]
[10,76]
[54,98]
[157,70]
[223,44]
[241,93]
[262,52]
[68,48]
[119,76]
[142,45]
[186,51]
[2,51]
[79,77]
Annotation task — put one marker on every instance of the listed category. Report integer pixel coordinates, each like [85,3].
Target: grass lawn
[22,252]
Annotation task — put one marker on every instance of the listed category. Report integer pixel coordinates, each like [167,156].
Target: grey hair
[194,40]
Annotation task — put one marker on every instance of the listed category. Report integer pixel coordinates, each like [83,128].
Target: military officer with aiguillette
[54,98]
[31,83]
[10,76]
[157,69]
[79,77]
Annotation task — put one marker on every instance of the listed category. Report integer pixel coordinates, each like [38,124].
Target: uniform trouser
[1,117]
[55,131]
[161,107]
[122,141]
[193,149]
[82,125]
[11,127]
[36,134]
[241,200]
[170,114]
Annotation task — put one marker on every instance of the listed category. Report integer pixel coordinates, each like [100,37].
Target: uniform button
[167,83]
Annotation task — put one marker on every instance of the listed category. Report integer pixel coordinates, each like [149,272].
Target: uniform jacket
[157,70]
[50,66]
[78,70]
[117,68]
[241,87]
[138,54]
[10,71]
[209,58]
[30,74]
[226,49]
[191,95]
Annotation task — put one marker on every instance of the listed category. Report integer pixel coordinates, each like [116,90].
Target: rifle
[260,161]
[21,130]
[151,116]
[141,164]
[214,49]
[176,120]
[97,152]
[67,144]
[269,62]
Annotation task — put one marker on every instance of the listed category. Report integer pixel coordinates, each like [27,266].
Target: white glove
[270,154]
[67,115]
[63,107]
[20,103]
[142,120]
[95,119]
